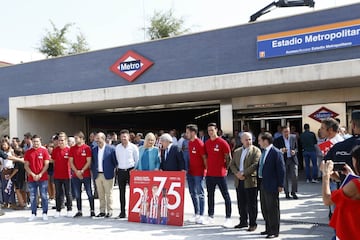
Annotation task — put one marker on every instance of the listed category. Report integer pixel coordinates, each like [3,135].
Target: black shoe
[92,214]
[108,215]
[78,214]
[252,228]
[101,215]
[287,196]
[122,215]
[294,196]
[272,236]
[264,233]
[241,225]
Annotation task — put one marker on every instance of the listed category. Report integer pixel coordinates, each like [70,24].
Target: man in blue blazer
[103,166]
[171,157]
[271,174]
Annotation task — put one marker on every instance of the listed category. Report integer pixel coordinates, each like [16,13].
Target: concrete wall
[212,53]
[339,108]
[44,123]
[300,98]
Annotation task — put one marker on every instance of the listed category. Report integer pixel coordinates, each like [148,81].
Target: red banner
[157,197]
[325,147]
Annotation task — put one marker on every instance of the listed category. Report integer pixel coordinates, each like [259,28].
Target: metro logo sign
[323,113]
[130,66]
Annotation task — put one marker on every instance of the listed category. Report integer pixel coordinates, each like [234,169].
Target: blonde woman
[149,159]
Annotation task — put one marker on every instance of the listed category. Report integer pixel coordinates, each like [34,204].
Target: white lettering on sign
[130,66]
[332,36]
[287,42]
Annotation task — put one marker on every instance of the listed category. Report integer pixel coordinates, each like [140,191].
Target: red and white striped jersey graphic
[164,207]
[143,206]
[154,207]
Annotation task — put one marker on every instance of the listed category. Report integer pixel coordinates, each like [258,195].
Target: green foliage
[80,45]
[56,43]
[164,24]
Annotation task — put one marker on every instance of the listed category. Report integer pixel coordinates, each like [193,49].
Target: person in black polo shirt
[341,152]
[308,142]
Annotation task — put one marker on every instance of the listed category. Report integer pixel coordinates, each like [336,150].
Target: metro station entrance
[268,120]
[154,119]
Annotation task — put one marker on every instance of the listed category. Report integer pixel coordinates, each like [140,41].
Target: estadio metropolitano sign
[312,39]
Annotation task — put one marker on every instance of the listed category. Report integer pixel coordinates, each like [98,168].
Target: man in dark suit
[171,157]
[103,166]
[287,144]
[244,165]
[203,137]
[271,177]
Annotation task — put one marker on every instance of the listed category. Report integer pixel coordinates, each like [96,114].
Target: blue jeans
[196,189]
[211,183]
[42,186]
[77,189]
[311,156]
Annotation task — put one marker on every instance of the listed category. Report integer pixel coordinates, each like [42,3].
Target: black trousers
[247,204]
[291,175]
[123,179]
[62,185]
[270,209]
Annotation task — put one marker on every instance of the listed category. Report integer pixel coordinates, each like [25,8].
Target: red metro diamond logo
[323,113]
[130,66]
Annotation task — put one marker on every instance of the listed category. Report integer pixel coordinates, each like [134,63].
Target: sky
[111,23]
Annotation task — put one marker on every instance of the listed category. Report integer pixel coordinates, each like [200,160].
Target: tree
[80,45]
[165,24]
[56,43]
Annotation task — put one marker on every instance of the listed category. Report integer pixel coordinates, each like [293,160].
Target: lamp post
[282,3]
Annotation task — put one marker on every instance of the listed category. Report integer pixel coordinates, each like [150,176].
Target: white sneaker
[200,220]
[45,217]
[307,181]
[209,220]
[315,181]
[69,214]
[228,223]
[32,217]
[57,214]
[192,219]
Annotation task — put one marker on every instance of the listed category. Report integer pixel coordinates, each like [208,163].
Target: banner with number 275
[157,197]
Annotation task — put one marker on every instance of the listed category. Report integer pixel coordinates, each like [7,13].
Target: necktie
[262,158]
[166,153]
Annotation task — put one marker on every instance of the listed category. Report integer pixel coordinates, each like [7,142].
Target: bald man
[244,166]
[103,166]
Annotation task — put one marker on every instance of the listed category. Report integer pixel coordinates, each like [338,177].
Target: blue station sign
[312,39]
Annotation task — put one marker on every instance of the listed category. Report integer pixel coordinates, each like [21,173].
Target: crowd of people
[34,173]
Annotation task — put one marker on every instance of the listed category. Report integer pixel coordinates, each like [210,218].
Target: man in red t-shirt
[36,165]
[80,160]
[60,157]
[218,158]
[195,176]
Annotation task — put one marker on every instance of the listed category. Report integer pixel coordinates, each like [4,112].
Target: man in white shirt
[127,155]
[329,129]
[103,166]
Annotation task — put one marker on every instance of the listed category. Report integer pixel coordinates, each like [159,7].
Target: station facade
[292,70]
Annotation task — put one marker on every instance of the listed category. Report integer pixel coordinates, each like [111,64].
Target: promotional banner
[325,147]
[312,39]
[157,197]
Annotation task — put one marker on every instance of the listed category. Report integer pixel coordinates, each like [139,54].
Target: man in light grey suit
[244,165]
[288,144]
